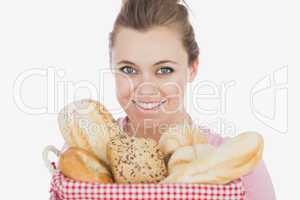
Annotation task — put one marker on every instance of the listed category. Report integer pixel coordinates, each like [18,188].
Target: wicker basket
[63,188]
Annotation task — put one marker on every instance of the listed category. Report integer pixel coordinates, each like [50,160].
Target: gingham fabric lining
[63,188]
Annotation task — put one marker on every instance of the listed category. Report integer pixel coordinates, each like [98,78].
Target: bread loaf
[179,136]
[136,160]
[88,125]
[81,165]
[187,154]
[236,157]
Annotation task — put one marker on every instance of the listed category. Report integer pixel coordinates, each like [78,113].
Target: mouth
[149,105]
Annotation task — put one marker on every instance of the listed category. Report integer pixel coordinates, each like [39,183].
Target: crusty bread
[81,165]
[236,157]
[88,125]
[187,154]
[179,136]
[136,160]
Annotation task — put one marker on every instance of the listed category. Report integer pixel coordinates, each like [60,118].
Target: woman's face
[151,73]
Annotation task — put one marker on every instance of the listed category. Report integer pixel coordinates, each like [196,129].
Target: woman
[154,54]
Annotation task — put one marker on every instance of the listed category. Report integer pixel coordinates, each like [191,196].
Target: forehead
[144,47]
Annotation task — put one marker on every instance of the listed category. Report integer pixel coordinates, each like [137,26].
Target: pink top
[258,184]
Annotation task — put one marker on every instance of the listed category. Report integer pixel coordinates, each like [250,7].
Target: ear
[193,69]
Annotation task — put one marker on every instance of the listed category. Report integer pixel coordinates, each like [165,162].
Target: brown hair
[143,15]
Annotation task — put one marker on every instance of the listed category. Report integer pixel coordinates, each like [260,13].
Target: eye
[165,70]
[127,70]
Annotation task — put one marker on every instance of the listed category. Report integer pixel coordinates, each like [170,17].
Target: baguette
[236,157]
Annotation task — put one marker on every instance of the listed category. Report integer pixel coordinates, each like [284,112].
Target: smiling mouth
[148,105]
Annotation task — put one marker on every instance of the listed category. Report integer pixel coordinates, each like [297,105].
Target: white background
[241,42]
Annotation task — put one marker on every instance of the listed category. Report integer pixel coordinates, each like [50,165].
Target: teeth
[148,105]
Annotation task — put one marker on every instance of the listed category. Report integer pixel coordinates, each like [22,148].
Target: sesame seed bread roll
[88,125]
[136,160]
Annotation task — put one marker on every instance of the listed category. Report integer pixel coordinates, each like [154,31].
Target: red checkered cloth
[63,188]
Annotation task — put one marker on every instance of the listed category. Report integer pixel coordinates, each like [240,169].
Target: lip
[134,101]
[149,110]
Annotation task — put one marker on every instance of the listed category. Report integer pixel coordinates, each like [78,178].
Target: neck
[150,128]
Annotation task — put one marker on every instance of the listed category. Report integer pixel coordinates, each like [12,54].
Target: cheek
[124,87]
[174,88]
[174,93]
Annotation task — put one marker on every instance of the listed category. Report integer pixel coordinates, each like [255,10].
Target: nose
[147,87]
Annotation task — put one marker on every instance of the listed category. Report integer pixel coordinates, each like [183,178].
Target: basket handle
[47,162]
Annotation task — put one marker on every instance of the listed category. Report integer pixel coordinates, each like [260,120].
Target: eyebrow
[157,63]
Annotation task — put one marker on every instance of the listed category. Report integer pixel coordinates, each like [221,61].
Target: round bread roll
[179,136]
[88,125]
[136,160]
[81,165]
